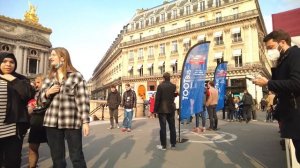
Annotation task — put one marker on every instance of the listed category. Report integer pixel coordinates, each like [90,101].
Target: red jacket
[151,102]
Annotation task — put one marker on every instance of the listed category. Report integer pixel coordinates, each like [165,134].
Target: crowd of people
[67,114]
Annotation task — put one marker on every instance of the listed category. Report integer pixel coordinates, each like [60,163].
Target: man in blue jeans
[128,102]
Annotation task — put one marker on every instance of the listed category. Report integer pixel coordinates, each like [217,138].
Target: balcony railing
[237,39]
[193,26]
[219,42]
[155,75]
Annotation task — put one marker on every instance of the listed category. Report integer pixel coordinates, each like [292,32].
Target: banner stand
[179,138]
[192,83]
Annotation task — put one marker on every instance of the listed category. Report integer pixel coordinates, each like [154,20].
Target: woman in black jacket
[15,92]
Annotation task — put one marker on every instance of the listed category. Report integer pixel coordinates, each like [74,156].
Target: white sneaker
[118,126]
[160,147]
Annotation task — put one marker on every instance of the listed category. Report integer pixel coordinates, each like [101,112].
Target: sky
[87,28]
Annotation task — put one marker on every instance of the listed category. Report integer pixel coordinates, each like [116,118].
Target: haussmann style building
[156,40]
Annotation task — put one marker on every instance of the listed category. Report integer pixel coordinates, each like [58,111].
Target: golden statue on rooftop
[30,15]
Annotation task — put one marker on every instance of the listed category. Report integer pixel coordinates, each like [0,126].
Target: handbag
[37,117]
[38,114]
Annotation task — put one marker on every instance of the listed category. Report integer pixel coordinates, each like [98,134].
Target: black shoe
[173,146]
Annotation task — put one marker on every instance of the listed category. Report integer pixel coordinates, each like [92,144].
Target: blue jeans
[202,114]
[127,118]
[56,141]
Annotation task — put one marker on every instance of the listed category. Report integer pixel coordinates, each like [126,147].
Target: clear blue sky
[88,27]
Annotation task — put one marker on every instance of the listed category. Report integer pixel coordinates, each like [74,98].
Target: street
[236,144]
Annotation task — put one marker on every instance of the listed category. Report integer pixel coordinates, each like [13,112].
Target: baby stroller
[238,111]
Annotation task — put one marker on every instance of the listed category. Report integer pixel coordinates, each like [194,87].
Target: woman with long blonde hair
[68,114]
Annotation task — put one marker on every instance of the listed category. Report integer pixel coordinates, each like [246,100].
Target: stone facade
[29,42]
[157,40]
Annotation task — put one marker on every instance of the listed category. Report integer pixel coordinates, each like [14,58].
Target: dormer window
[218,3]
[152,21]
[162,17]
[188,10]
[141,24]
[202,6]
[174,14]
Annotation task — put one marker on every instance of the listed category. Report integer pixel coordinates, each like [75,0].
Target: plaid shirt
[69,108]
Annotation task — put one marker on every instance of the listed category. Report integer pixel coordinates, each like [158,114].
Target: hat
[4,55]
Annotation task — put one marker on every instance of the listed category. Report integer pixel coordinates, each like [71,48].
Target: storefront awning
[236,30]
[161,63]
[218,55]
[237,52]
[218,34]
[173,62]
[130,68]
[201,37]
[150,65]
[186,40]
[139,66]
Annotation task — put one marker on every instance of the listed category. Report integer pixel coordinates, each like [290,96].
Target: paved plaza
[235,145]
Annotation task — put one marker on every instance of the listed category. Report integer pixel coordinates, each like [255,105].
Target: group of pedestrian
[128,102]
[66,118]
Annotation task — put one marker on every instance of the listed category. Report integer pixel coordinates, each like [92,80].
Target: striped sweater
[6,130]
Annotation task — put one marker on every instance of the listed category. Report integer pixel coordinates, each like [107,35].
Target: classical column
[19,54]
[46,62]
[25,61]
[37,66]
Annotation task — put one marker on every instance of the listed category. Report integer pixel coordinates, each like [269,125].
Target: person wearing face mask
[15,92]
[67,117]
[285,83]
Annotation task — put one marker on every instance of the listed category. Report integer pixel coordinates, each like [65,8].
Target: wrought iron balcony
[193,26]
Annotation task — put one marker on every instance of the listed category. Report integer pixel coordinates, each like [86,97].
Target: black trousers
[170,118]
[10,151]
[56,141]
[113,113]
[247,112]
[213,118]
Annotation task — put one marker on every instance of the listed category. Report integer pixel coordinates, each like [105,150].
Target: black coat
[164,98]
[286,84]
[19,92]
[113,100]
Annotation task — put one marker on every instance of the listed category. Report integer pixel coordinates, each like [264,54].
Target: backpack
[247,99]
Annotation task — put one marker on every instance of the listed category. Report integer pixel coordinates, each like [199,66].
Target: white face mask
[58,65]
[274,54]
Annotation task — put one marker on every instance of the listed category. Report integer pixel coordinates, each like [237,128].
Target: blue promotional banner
[220,83]
[193,80]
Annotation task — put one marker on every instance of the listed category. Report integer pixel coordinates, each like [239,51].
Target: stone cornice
[29,38]
[20,22]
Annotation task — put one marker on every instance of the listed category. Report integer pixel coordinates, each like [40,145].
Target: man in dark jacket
[247,105]
[113,102]
[285,83]
[165,107]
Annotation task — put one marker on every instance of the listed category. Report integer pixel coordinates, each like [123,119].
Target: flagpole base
[182,140]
